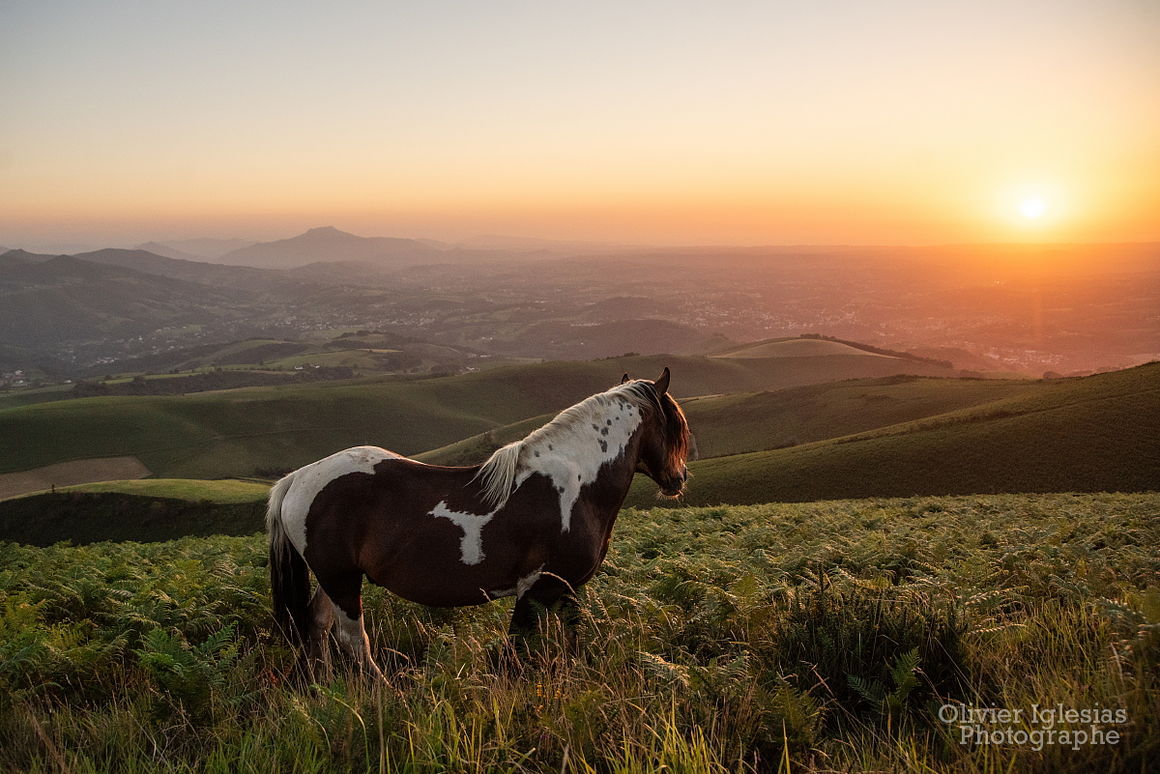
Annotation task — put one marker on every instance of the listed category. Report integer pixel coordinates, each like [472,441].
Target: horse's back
[307,483]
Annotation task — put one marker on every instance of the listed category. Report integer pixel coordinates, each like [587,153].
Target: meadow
[785,637]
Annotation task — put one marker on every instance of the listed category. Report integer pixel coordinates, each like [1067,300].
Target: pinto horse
[533,521]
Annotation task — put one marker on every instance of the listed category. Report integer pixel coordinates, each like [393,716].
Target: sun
[1033,208]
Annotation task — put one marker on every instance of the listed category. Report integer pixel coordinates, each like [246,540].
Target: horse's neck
[589,435]
[597,445]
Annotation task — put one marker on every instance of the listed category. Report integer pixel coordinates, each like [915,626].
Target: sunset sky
[654,122]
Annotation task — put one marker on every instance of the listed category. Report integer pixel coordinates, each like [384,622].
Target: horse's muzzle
[674,486]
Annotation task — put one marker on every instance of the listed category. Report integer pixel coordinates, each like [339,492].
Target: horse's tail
[289,576]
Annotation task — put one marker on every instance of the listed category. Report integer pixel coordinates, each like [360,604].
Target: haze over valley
[989,308]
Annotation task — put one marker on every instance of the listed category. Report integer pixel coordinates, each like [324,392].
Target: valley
[1065,309]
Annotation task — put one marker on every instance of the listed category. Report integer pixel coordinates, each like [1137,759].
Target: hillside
[144,511]
[743,422]
[1099,433]
[795,348]
[189,269]
[66,298]
[240,432]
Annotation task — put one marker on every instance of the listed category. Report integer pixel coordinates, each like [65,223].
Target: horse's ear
[662,382]
[624,379]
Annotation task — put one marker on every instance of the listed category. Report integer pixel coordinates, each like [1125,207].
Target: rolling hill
[754,421]
[796,347]
[239,432]
[191,270]
[1099,433]
[66,298]
[145,511]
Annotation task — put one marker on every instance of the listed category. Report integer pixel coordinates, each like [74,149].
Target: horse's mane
[498,474]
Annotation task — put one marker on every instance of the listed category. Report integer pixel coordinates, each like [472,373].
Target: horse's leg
[544,593]
[346,593]
[322,613]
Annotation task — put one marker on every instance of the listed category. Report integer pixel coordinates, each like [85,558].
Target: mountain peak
[326,231]
[329,244]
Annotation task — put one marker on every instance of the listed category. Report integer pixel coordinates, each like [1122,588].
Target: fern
[188,674]
[903,676]
[871,690]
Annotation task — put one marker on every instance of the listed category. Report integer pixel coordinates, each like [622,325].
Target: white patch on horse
[576,459]
[571,449]
[529,580]
[311,479]
[521,587]
[471,544]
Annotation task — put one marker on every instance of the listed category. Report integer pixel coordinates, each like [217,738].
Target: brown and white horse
[533,521]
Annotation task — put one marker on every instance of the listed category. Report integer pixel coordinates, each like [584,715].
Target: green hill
[1099,433]
[743,422]
[265,429]
[795,347]
[142,510]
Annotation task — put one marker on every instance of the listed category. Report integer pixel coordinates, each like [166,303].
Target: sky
[787,122]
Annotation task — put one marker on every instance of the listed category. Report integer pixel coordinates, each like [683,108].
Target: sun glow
[1033,208]
[1039,207]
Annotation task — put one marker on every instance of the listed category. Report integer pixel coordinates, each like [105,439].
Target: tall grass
[816,637]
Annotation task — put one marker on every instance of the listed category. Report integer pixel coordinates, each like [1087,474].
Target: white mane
[499,473]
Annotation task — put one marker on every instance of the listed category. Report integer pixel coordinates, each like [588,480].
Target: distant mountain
[23,256]
[196,249]
[8,259]
[188,270]
[69,299]
[164,250]
[328,244]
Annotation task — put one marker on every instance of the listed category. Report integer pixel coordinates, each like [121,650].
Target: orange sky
[662,122]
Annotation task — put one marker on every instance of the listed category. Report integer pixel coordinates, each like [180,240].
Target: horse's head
[666,442]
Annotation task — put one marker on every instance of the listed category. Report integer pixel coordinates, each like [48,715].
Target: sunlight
[1033,208]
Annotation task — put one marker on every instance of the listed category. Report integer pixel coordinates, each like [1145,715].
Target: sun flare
[1033,208]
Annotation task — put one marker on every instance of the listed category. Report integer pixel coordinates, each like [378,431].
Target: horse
[534,521]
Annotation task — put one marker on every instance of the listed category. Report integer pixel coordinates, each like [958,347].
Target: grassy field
[811,637]
[243,431]
[223,491]
[1101,433]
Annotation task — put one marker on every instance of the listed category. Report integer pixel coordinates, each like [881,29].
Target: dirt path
[68,473]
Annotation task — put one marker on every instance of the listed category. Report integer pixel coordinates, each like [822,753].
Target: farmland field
[822,636]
